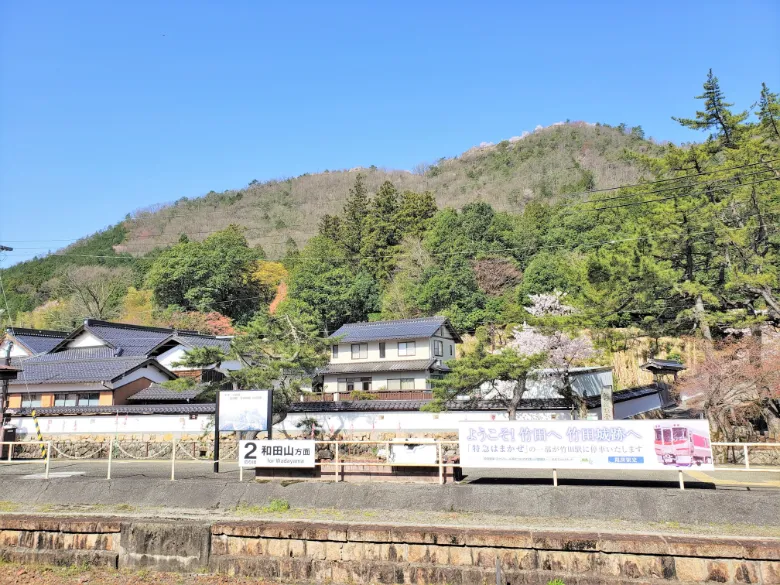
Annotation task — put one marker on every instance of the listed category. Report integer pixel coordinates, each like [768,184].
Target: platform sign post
[242,410]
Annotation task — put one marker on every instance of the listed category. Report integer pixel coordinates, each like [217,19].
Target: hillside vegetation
[552,161]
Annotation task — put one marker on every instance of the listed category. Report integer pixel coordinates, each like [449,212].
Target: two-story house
[389,356]
[103,364]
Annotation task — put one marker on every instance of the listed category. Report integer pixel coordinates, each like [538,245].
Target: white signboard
[244,410]
[582,444]
[276,453]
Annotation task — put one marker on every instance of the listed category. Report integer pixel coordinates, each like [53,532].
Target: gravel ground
[13,574]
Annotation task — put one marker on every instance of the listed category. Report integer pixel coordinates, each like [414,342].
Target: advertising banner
[583,444]
[244,410]
[276,453]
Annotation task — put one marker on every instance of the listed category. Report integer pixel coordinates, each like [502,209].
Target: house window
[438,348]
[359,351]
[382,349]
[66,399]
[91,399]
[401,384]
[334,351]
[352,384]
[86,399]
[406,348]
[31,401]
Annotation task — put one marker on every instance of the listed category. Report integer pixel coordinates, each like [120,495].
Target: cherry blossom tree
[561,349]
[738,382]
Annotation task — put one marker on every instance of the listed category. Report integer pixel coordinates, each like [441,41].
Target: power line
[658,181]
[705,185]
[680,195]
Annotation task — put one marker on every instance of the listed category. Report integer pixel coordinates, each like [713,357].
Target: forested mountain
[666,239]
[563,158]
[551,161]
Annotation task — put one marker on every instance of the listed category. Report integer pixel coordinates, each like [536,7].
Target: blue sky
[107,107]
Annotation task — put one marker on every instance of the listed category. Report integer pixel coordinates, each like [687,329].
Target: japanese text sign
[276,453]
[244,410]
[582,444]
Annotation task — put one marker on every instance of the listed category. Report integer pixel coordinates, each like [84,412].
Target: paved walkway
[203,470]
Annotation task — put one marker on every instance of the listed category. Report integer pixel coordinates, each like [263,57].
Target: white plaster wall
[16,351]
[112,424]
[148,372]
[330,422]
[86,339]
[170,357]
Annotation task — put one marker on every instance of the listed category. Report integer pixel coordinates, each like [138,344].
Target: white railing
[745,447]
[338,464]
[46,458]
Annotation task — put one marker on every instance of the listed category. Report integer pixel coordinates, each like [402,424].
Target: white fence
[341,454]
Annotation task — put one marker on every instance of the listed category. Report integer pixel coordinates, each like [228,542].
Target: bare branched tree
[95,291]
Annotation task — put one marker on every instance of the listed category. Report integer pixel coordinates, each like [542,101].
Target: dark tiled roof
[195,408]
[384,366]
[139,340]
[655,364]
[89,370]
[314,407]
[131,339]
[77,353]
[37,340]
[193,341]
[157,393]
[398,329]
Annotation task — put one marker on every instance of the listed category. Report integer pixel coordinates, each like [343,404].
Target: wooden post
[680,477]
[555,477]
[744,450]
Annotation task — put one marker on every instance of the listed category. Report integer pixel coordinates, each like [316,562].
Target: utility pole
[4,392]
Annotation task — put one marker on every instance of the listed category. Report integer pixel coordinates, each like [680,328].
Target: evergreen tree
[381,233]
[330,227]
[355,212]
[414,213]
[769,113]
[717,116]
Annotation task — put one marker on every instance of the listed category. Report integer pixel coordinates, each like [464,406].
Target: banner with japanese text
[582,444]
[287,453]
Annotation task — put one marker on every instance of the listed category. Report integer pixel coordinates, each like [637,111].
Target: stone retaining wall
[299,552]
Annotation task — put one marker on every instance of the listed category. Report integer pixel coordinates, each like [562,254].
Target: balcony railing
[381,395]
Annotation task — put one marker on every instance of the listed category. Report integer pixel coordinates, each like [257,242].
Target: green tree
[354,216]
[769,113]
[717,117]
[380,233]
[504,375]
[415,211]
[275,351]
[213,275]
[325,281]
